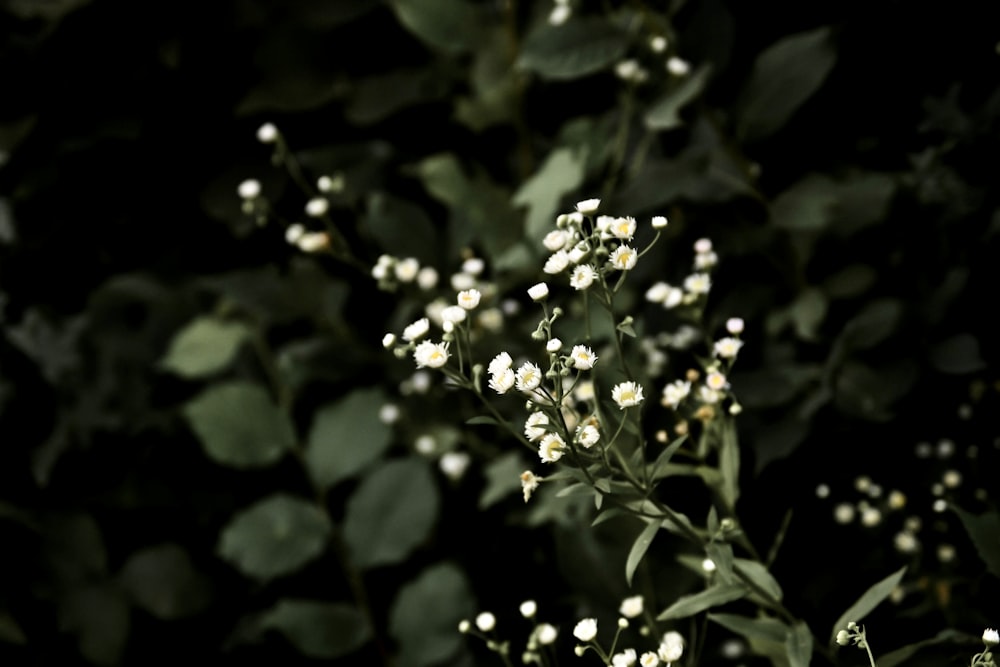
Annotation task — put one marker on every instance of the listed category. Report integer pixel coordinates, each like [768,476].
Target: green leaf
[274,537]
[318,629]
[871,599]
[799,645]
[984,531]
[482,420]
[689,605]
[721,554]
[562,172]
[347,436]
[205,346]
[760,629]
[579,47]
[902,655]
[806,206]
[852,281]
[639,548]
[239,425]
[446,25]
[784,76]
[425,615]
[503,477]
[391,513]
[401,228]
[660,467]
[807,313]
[729,464]
[163,581]
[664,113]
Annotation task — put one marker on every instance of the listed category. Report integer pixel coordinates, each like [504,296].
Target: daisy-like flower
[734,325]
[705,260]
[556,263]
[407,269]
[659,222]
[500,363]
[587,435]
[627,394]
[432,355]
[702,246]
[453,314]
[583,277]
[649,659]
[708,395]
[473,266]
[675,392]
[551,448]
[603,225]
[624,659]
[658,292]
[671,647]
[582,358]
[623,258]
[991,637]
[529,482]
[553,345]
[417,330]
[716,381]
[631,607]
[534,426]
[469,298]
[427,278]
[698,283]
[538,292]
[674,298]
[728,348]
[462,281]
[623,228]
[588,206]
[579,252]
[502,381]
[529,377]
[555,240]
[586,629]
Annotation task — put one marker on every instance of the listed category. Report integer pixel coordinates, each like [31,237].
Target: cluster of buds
[669,650]
[391,271]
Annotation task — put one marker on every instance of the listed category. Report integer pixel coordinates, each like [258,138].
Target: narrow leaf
[639,548]
[690,605]
[867,602]
[799,645]
[758,574]
[664,114]
[984,531]
[761,629]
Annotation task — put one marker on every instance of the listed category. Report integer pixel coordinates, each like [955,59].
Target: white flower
[671,647]
[659,222]
[462,281]
[584,391]
[698,283]
[538,292]
[626,69]
[464,626]
[546,633]
[623,228]
[624,659]
[529,482]
[486,621]
[389,414]
[843,637]
[388,340]
[716,381]
[295,232]
[649,659]
[587,435]
[528,608]
[675,392]
[249,189]
[469,298]
[533,426]
[579,252]
[553,345]
[550,449]
[705,260]
[586,629]
[991,637]
[406,269]
[417,330]
[317,207]
[708,395]
[529,376]
[678,66]
[623,258]
[658,292]
[560,14]
[555,240]
[473,266]
[491,319]
[627,394]
[583,277]
[603,225]
[583,357]
[674,298]
[433,355]
[588,206]
[734,325]
[267,133]
[453,314]
[502,381]
[500,363]
[313,241]
[556,263]
[631,607]
[454,464]
[658,44]
[427,278]
[728,348]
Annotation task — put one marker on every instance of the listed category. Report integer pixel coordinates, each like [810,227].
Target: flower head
[555,240]
[582,358]
[588,206]
[486,621]
[659,222]
[623,258]
[529,482]
[267,133]
[453,314]
[500,363]
[469,298]
[551,448]
[728,347]
[671,647]
[546,633]
[587,435]
[534,426]
[627,394]
[586,629]
[624,659]
[675,392]
[991,637]
[432,355]
[528,608]
[557,262]
[649,659]
[623,228]
[583,276]
[631,607]
[502,381]
[529,376]
[249,189]
[417,330]
[538,292]
[553,345]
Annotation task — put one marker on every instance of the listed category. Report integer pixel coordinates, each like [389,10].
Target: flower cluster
[669,650]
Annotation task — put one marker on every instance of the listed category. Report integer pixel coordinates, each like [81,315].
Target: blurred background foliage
[194,459]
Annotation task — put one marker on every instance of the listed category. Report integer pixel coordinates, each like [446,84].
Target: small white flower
[623,228]
[502,381]
[427,278]
[406,269]
[675,392]
[389,414]
[417,330]
[326,184]
[528,608]
[587,435]
[491,319]
[553,345]
[453,314]
[560,14]
[529,377]
[631,607]
[623,258]
[313,241]
[584,391]
[624,659]
[583,277]
[469,298]
[534,426]
[734,325]
[582,357]
[551,448]
[627,394]
[579,252]
[556,263]
[529,482]
[698,283]
[295,232]
[991,637]
[678,66]
[500,363]
[486,621]
[703,246]
[546,633]
[586,629]
[432,355]
[267,133]
[538,292]
[555,240]
[658,44]
[464,626]
[473,266]
[708,395]
[317,207]
[454,464]
[588,206]
[728,348]
[674,297]
[705,260]
[249,189]
[658,292]
[388,340]
[462,281]
[649,659]
[603,224]
[716,381]
[671,647]
[843,637]
[659,222]
[627,69]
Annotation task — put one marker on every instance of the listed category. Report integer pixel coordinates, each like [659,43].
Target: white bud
[486,621]
[538,292]
[659,222]
[249,189]
[317,207]
[267,133]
